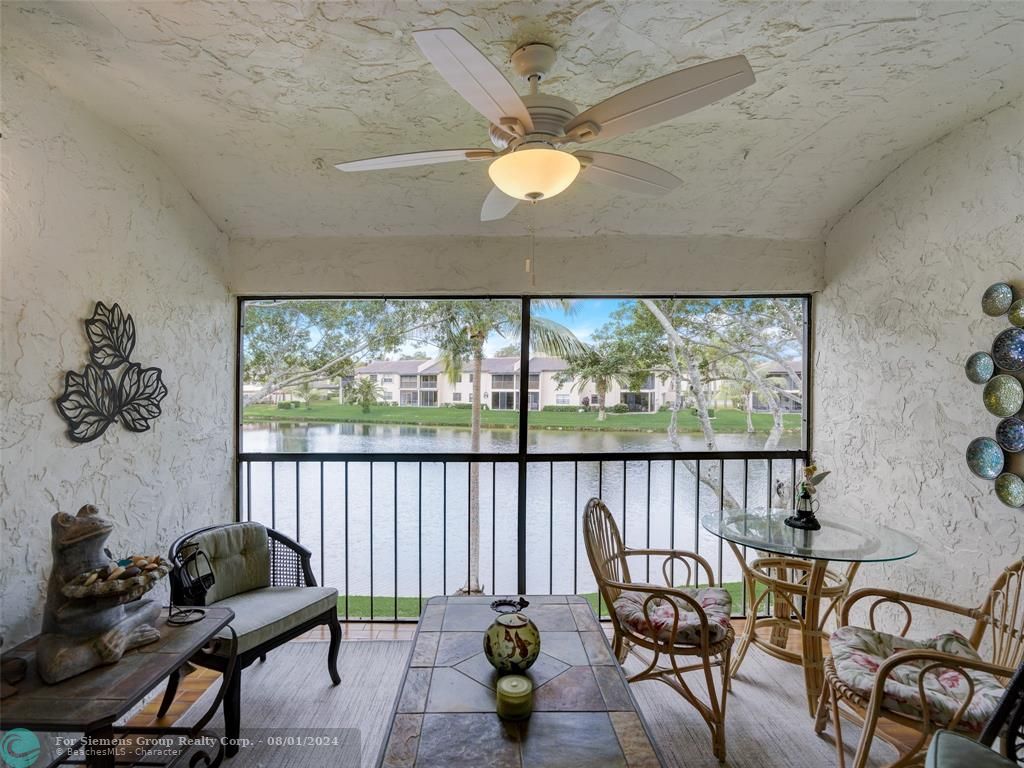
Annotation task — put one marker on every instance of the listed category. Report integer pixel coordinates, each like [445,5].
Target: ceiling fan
[530,133]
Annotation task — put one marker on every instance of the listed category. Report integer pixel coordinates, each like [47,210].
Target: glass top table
[766,530]
[792,579]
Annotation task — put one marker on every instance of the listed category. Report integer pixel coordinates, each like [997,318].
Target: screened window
[668,408]
[637,389]
[613,357]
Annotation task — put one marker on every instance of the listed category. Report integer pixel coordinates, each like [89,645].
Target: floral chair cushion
[858,653]
[717,605]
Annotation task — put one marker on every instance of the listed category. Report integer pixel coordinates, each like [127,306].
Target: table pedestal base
[799,588]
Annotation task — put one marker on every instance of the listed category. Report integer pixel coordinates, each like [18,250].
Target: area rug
[290,697]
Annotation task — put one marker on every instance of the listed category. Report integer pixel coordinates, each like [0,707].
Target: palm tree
[364,393]
[601,366]
[461,328]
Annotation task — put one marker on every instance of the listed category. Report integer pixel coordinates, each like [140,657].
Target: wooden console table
[92,702]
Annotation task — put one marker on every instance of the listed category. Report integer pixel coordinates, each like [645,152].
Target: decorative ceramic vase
[980,367]
[1008,349]
[512,642]
[1003,396]
[997,299]
[985,458]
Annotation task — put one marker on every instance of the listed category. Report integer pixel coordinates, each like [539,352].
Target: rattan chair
[671,632]
[924,685]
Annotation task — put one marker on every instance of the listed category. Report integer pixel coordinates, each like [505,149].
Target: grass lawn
[409,607]
[725,421]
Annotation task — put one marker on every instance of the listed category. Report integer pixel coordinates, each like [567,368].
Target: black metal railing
[390,530]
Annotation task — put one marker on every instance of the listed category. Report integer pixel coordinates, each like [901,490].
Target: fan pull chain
[531,260]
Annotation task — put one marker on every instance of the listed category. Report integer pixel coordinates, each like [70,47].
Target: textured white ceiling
[253,102]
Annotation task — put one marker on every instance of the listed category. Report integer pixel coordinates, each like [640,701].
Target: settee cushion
[239,556]
[263,614]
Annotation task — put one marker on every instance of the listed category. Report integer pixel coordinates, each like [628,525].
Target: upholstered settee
[266,579]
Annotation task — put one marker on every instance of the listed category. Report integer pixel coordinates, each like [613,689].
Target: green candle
[515,697]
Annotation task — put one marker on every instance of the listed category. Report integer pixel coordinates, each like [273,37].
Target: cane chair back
[1001,624]
[605,550]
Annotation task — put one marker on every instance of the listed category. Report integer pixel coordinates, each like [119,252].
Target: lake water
[413,516]
[387,438]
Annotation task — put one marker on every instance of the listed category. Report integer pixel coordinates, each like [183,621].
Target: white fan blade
[497,205]
[472,76]
[384,162]
[662,99]
[626,174]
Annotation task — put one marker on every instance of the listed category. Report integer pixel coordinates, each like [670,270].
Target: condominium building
[425,383]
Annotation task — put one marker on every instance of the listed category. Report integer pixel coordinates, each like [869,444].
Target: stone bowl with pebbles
[123,581]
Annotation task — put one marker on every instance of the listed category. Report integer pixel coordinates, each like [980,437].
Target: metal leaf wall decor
[92,400]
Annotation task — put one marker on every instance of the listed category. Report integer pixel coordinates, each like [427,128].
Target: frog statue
[83,633]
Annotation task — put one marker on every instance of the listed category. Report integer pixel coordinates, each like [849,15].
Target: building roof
[538,364]
[400,367]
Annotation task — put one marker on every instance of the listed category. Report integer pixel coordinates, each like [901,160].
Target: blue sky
[586,317]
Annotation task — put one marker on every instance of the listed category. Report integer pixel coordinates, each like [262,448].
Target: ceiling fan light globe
[534,174]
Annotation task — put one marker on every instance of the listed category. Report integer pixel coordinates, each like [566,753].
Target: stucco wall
[900,313]
[89,214]
[606,265]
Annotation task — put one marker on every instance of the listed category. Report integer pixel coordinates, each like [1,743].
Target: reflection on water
[392,438]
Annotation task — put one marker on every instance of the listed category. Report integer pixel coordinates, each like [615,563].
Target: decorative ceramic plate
[985,458]
[1010,490]
[1016,315]
[1010,435]
[1003,396]
[1008,349]
[997,299]
[980,367]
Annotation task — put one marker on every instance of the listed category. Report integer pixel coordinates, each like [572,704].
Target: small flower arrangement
[812,479]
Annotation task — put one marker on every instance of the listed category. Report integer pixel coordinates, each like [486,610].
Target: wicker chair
[655,622]
[266,579]
[924,685]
